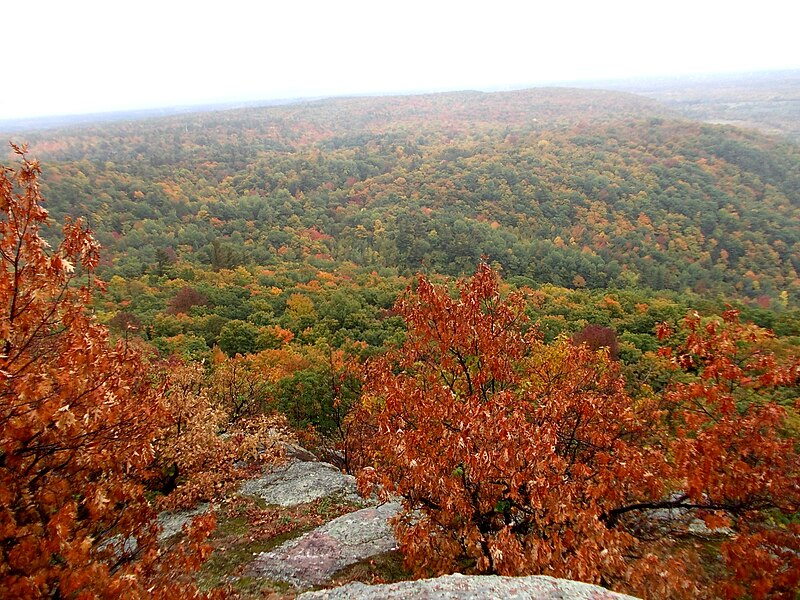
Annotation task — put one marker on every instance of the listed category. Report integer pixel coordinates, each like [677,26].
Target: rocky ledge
[479,587]
[317,558]
[313,558]
[300,481]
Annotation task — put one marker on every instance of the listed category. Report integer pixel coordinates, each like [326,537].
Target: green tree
[239,337]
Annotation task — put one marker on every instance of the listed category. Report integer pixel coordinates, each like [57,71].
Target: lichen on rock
[315,557]
[298,482]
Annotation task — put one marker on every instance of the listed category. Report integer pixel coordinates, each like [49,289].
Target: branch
[611,518]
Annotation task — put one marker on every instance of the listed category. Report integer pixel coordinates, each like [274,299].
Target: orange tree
[513,457]
[193,461]
[733,449]
[77,418]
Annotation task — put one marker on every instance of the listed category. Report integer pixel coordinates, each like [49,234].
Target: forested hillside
[575,188]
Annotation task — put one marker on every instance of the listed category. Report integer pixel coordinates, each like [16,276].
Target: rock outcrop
[460,587]
[300,481]
[171,523]
[313,558]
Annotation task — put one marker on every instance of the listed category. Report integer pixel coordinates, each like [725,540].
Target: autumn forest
[542,319]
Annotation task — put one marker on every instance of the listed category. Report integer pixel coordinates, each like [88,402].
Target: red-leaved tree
[732,448]
[513,456]
[78,415]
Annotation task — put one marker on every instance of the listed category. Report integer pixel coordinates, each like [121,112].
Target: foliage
[597,337]
[125,323]
[77,419]
[201,453]
[284,234]
[185,299]
[515,456]
[239,390]
[579,188]
[734,451]
[237,337]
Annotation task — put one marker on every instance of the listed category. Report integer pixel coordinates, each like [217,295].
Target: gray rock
[460,587]
[699,528]
[313,558]
[173,522]
[297,482]
[681,519]
[169,523]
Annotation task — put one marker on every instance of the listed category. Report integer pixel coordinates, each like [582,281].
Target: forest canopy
[570,187]
[560,325]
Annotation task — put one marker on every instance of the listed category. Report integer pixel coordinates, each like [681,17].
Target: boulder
[479,587]
[313,558]
[298,482]
[172,522]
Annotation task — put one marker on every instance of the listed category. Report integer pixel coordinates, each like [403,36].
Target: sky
[84,56]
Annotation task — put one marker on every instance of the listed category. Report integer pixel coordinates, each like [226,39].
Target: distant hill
[766,101]
[30,124]
[575,187]
[313,120]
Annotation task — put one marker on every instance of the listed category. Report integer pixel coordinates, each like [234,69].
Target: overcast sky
[79,56]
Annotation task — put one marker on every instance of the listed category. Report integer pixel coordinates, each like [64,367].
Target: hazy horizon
[90,57]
